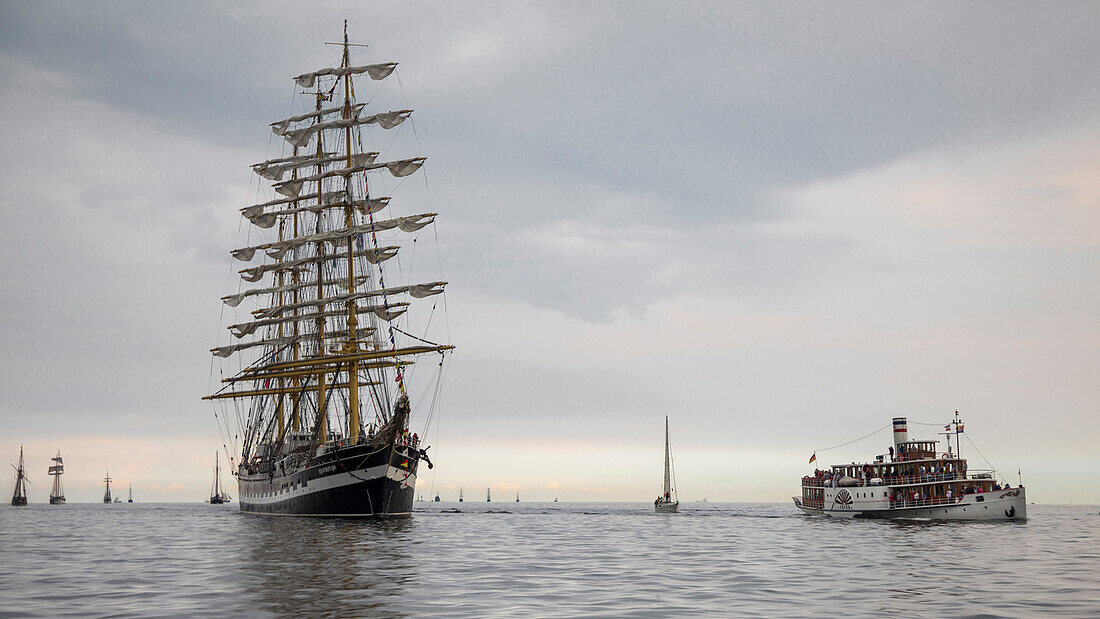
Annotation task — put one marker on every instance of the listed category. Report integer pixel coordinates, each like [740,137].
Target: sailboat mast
[349,221]
[668,481]
[322,418]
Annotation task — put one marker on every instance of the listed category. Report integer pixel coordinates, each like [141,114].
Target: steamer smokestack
[901,433]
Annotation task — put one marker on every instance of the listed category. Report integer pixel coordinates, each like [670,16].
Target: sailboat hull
[667,508]
[355,482]
[57,500]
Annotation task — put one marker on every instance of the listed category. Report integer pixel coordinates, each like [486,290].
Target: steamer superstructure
[322,390]
[913,480]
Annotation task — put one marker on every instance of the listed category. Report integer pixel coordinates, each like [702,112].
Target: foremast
[309,340]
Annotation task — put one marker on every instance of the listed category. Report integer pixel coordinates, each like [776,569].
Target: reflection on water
[294,566]
[542,559]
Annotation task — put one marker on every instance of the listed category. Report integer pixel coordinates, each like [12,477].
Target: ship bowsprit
[357,481]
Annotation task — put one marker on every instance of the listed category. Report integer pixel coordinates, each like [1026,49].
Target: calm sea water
[545,559]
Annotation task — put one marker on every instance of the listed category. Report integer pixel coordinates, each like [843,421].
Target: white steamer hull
[998,505]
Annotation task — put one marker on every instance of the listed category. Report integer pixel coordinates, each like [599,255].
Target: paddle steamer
[912,480]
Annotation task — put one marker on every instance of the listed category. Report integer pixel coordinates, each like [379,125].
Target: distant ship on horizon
[218,495]
[57,493]
[19,495]
[107,493]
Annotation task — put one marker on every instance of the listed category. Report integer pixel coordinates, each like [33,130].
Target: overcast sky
[781,224]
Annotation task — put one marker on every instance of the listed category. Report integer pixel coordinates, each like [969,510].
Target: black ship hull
[57,500]
[359,481]
[19,501]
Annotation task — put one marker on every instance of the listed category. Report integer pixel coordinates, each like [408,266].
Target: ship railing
[890,480]
[923,502]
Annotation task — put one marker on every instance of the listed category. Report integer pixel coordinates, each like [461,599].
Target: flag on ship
[813,458]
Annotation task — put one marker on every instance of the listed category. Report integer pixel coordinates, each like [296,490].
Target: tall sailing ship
[320,369]
[57,493]
[19,495]
[107,493]
[912,480]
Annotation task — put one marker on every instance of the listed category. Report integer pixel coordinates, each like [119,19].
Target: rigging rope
[856,440]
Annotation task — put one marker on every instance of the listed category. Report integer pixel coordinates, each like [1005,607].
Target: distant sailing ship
[668,502]
[328,347]
[912,480]
[488,495]
[217,494]
[517,496]
[107,494]
[57,494]
[131,499]
[19,496]
[460,494]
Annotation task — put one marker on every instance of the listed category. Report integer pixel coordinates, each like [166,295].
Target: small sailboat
[667,503]
[57,494]
[19,496]
[107,494]
[488,495]
[131,499]
[517,496]
[555,499]
[460,494]
[217,494]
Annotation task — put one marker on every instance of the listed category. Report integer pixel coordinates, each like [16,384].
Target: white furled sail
[375,71]
[277,249]
[279,127]
[386,120]
[400,168]
[373,256]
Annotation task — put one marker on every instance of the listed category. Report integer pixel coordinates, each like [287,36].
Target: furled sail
[256,273]
[267,220]
[275,171]
[276,249]
[386,120]
[279,127]
[400,168]
[386,313]
[375,71]
[418,291]
[225,351]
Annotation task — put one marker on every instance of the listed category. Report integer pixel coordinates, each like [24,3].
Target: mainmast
[352,345]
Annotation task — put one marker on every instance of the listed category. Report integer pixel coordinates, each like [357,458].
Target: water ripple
[542,559]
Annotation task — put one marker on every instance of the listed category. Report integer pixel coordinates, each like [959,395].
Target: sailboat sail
[326,326]
[668,501]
